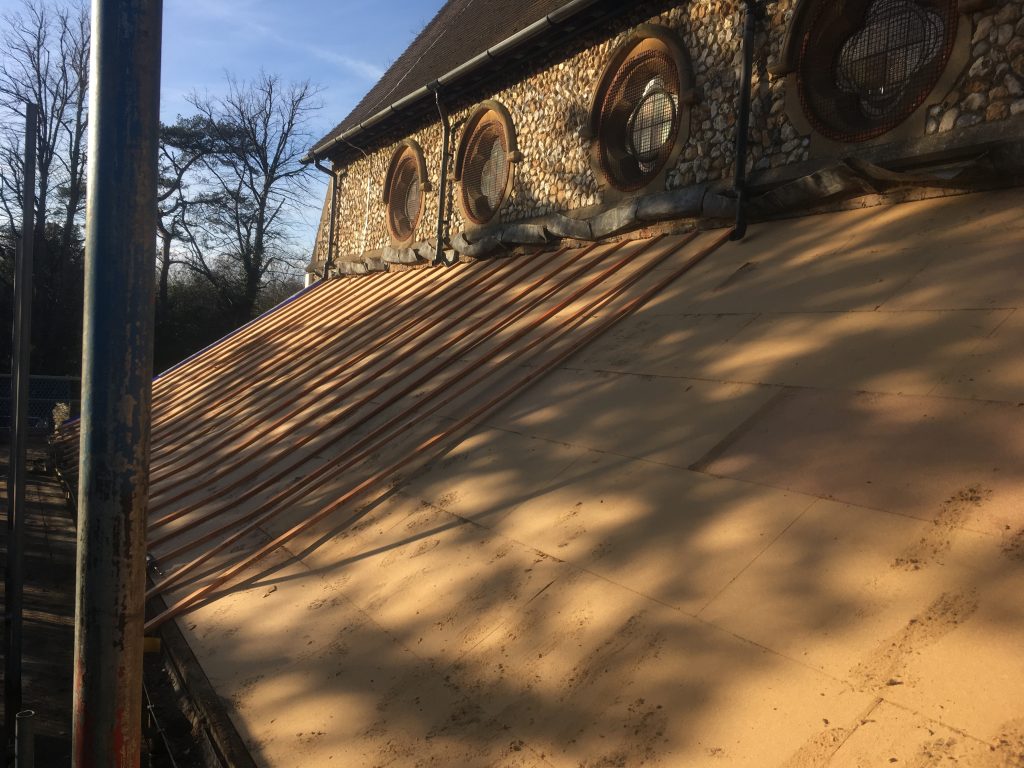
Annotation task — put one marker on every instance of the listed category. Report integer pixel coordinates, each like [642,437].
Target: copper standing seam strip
[316,361]
[307,357]
[303,358]
[211,357]
[246,331]
[501,275]
[228,406]
[326,368]
[324,362]
[473,365]
[467,313]
[256,329]
[69,431]
[202,365]
[252,375]
[327,404]
[257,356]
[390,363]
[409,387]
[368,298]
[581,317]
[72,453]
[443,388]
[306,314]
[468,420]
[225,350]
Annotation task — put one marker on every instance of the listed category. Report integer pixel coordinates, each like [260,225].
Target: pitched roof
[461,30]
[229,437]
[810,441]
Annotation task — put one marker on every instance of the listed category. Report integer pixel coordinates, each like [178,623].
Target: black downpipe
[442,179]
[753,12]
[329,261]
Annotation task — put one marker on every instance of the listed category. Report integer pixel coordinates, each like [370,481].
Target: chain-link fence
[45,394]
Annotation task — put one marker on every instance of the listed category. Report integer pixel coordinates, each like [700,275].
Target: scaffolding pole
[21,346]
[117,363]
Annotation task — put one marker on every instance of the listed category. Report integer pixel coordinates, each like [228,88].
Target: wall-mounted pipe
[442,177]
[329,260]
[506,46]
[753,11]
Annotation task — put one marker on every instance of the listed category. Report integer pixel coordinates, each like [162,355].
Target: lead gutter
[496,51]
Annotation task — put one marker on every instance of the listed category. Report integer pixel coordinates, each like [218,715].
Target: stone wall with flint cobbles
[549,103]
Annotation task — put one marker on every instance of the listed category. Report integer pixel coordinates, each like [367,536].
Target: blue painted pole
[117,366]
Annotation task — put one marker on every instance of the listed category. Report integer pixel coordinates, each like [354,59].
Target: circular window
[637,113]
[484,160]
[404,192]
[865,66]
[486,171]
[651,123]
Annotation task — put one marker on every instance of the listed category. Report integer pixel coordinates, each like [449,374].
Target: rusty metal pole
[117,365]
[21,346]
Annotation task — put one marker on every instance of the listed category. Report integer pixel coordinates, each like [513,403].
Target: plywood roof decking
[300,407]
[772,519]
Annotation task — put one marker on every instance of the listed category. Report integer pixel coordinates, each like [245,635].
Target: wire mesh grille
[639,119]
[867,65]
[486,171]
[404,199]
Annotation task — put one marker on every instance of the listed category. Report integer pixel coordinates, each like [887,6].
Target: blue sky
[344,46]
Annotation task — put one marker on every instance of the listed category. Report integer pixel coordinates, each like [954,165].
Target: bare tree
[232,188]
[75,53]
[11,177]
[46,61]
[183,148]
[238,235]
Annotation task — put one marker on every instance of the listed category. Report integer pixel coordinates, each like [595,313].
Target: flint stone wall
[549,104]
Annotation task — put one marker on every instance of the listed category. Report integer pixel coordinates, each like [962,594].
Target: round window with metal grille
[405,198]
[867,65]
[639,119]
[486,170]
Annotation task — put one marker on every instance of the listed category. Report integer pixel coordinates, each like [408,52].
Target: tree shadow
[782,495]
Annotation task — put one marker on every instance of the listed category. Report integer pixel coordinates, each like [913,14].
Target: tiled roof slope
[461,30]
